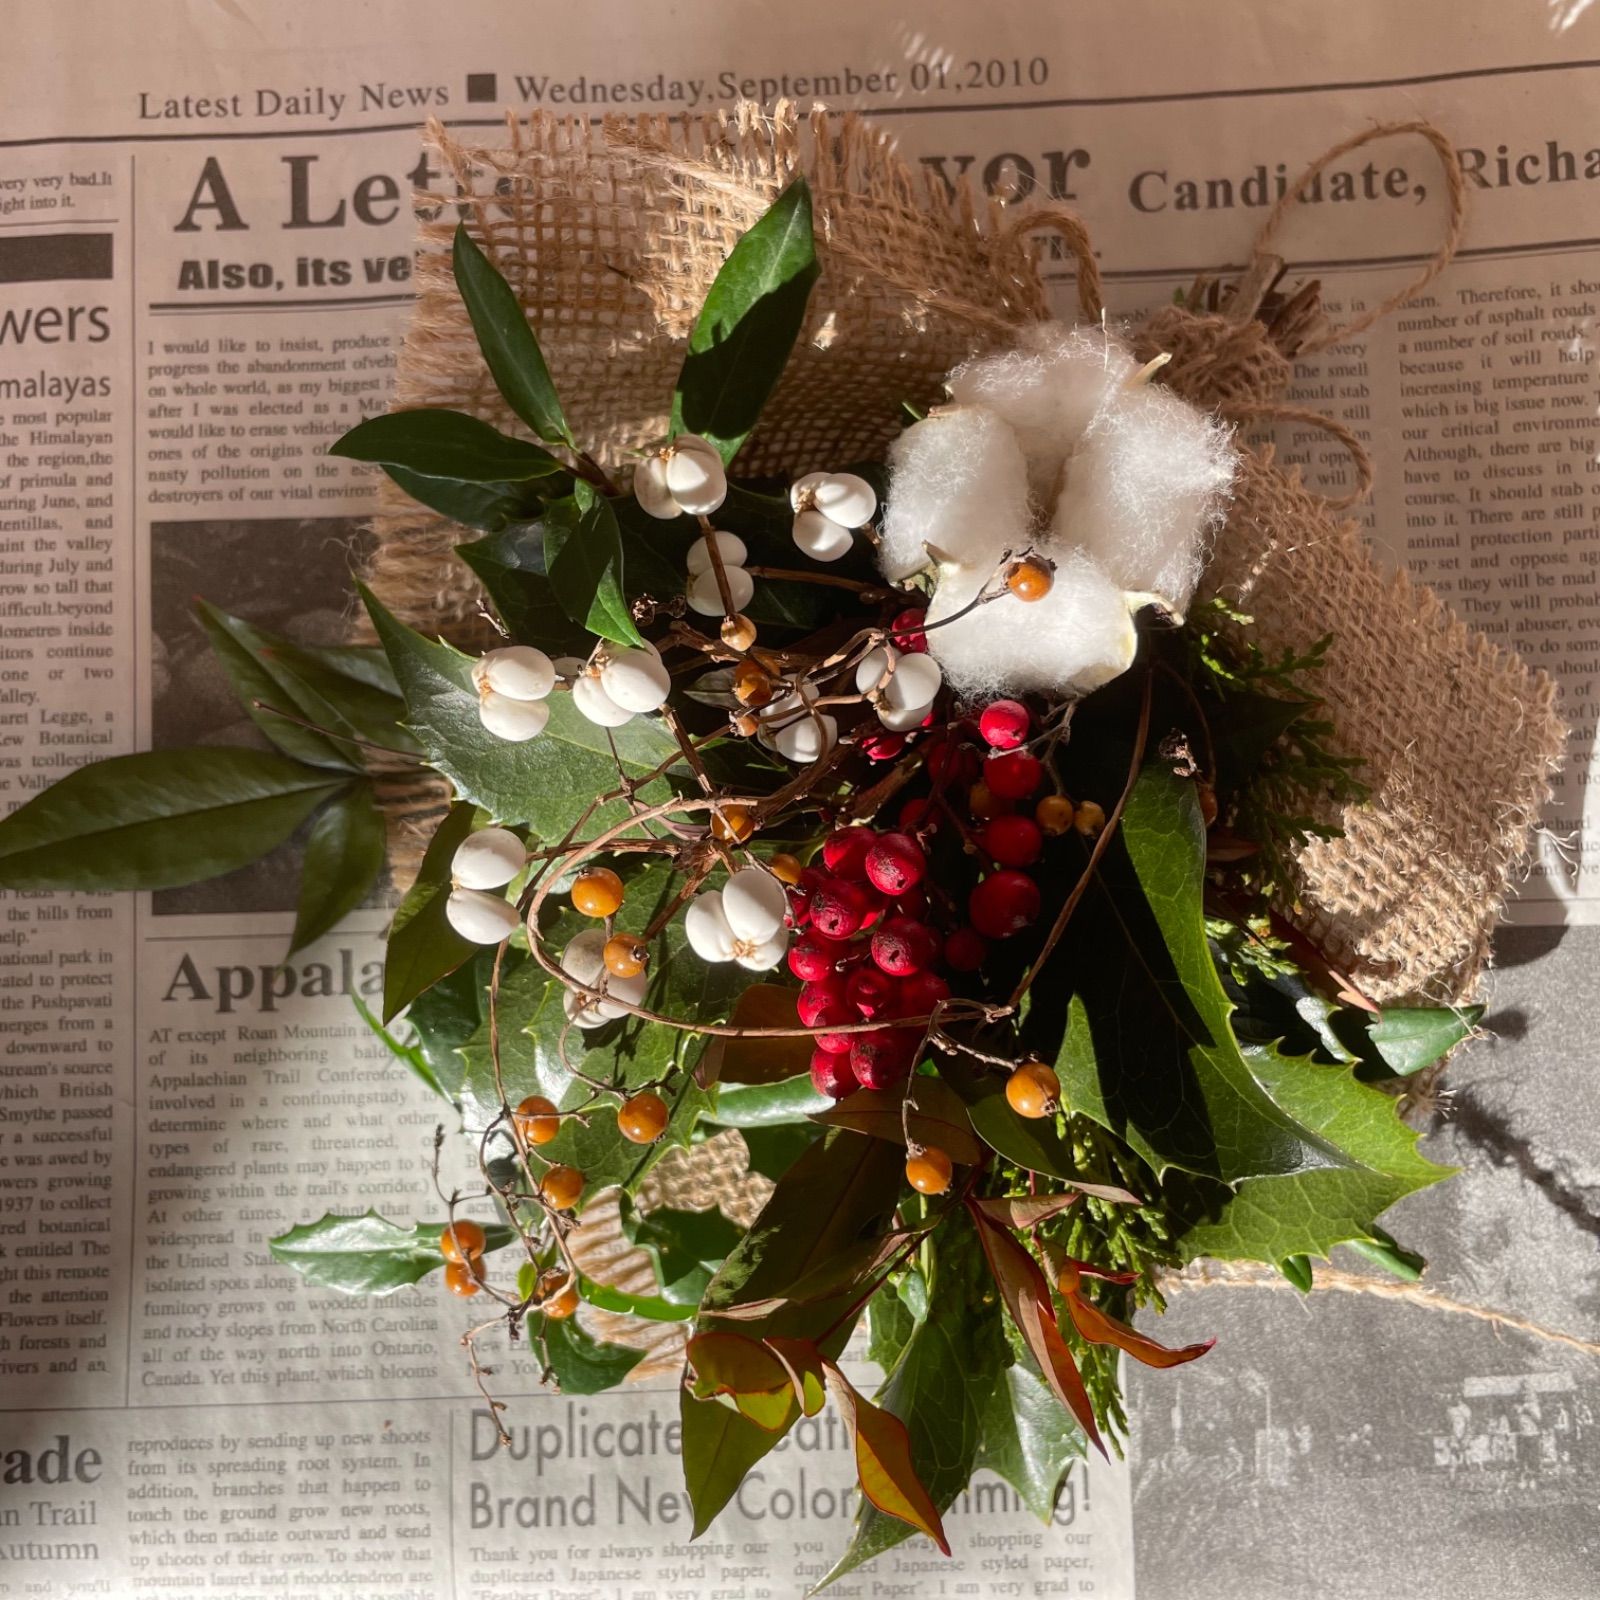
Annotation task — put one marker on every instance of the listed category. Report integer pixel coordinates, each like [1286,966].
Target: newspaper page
[205,246]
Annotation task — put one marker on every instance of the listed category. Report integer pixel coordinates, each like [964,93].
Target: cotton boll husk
[1079,636]
[1145,489]
[957,480]
[1048,389]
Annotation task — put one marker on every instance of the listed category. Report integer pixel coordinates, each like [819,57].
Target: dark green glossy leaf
[583,560]
[748,325]
[890,1324]
[410,1056]
[449,445]
[509,347]
[447,1013]
[774,1149]
[367,1254]
[581,1363]
[159,819]
[486,506]
[719,1448]
[1407,1039]
[762,1105]
[344,858]
[422,946]
[679,1242]
[1297,1269]
[1028,1439]
[653,1308]
[510,565]
[547,782]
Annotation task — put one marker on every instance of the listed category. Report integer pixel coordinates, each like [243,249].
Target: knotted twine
[611,233]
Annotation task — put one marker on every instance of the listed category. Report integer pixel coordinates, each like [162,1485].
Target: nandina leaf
[344,858]
[848,1271]
[1026,1441]
[805,1366]
[367,1254]
[1100,1328]
[883,1461]
[1027,1296]
[423,947]
[939,1118]
[719,1447]
[789,1101]
[1023,1211]
[759,1060]
[730,1363]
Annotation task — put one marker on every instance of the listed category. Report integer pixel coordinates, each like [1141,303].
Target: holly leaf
[1405,1039]
[1278,1217]
[748,325]
[344,859]
[939,1118]
[583,561]
[1027,1439]
[159,819]
[581,1363]
[941,1388]
[1149,1050]
[422,946]
[546,783]
[368,1254]
[509,347]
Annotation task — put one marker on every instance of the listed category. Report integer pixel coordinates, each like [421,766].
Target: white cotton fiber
[1145,489]
[957,481]
[1079,636]
[1049,389]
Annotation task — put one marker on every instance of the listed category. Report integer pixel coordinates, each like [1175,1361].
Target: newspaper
[205,245]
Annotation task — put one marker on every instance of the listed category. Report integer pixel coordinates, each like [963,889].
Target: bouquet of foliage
[914,817]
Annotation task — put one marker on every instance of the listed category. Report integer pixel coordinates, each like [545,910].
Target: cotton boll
[1145,489]
[1079,636]
[1049,389]
[959,481]
[706,598]
[730,547]
[597,706]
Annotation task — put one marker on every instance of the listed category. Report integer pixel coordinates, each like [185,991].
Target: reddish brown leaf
[729,1363]
[940,1118]
[763,1060]
[1021,1211]
[848,1272]
[1098,1328]
[1027,1297]
[883,1461]
[805,1366]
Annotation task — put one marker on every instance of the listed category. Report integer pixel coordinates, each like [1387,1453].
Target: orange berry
[1033,1090]
[1054,815]
[1207,796]
[1070,1280]
[785,868]
[597,892]
[929,1172]
[560,1187]
[462,1278]
[732,824]
[746,725]
[982,801]
[1030,580]
[643,1119]
[738,631]
[537,1120]
[558,1294]
[751,684]
[625,956]
[461,1241]
[1090,819]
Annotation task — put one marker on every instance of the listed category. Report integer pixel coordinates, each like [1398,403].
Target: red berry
[1013,776]
[881,745]
[800,894]
[1003,904]
[903,946]
[821,1003]
[915,814]
[876,907]
[952,763]
[814,955]
[872,993]
[844,852]
[837,1044]
[907,631]
[919,994]
[913,903]
[880,1059]
[964,950]
[831,1074]
[838,909]
[1004,724]
[1013,841]
[895,863]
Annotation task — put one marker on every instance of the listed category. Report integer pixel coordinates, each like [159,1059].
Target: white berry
[596,705]
[807,738]
[635,680]
[651,491]
[480,918]
[516,721]
[518,671]
[873,668]
[754,904]
[766,955]
[705,924]
[706,598]
[695,476]
[844,498]
[488,859]
[729,546]
[820,537]
[915,681]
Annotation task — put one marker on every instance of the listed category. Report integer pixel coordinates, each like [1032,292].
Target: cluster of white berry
[514,687]
[743,921]
[902,685]
[484,862]
[828,507]
[584,962]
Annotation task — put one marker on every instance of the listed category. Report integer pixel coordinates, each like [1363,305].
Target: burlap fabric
[612,234]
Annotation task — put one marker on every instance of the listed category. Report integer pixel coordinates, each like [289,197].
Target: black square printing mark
[481,86]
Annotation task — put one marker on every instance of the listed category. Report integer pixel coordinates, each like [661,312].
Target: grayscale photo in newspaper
[205,251]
